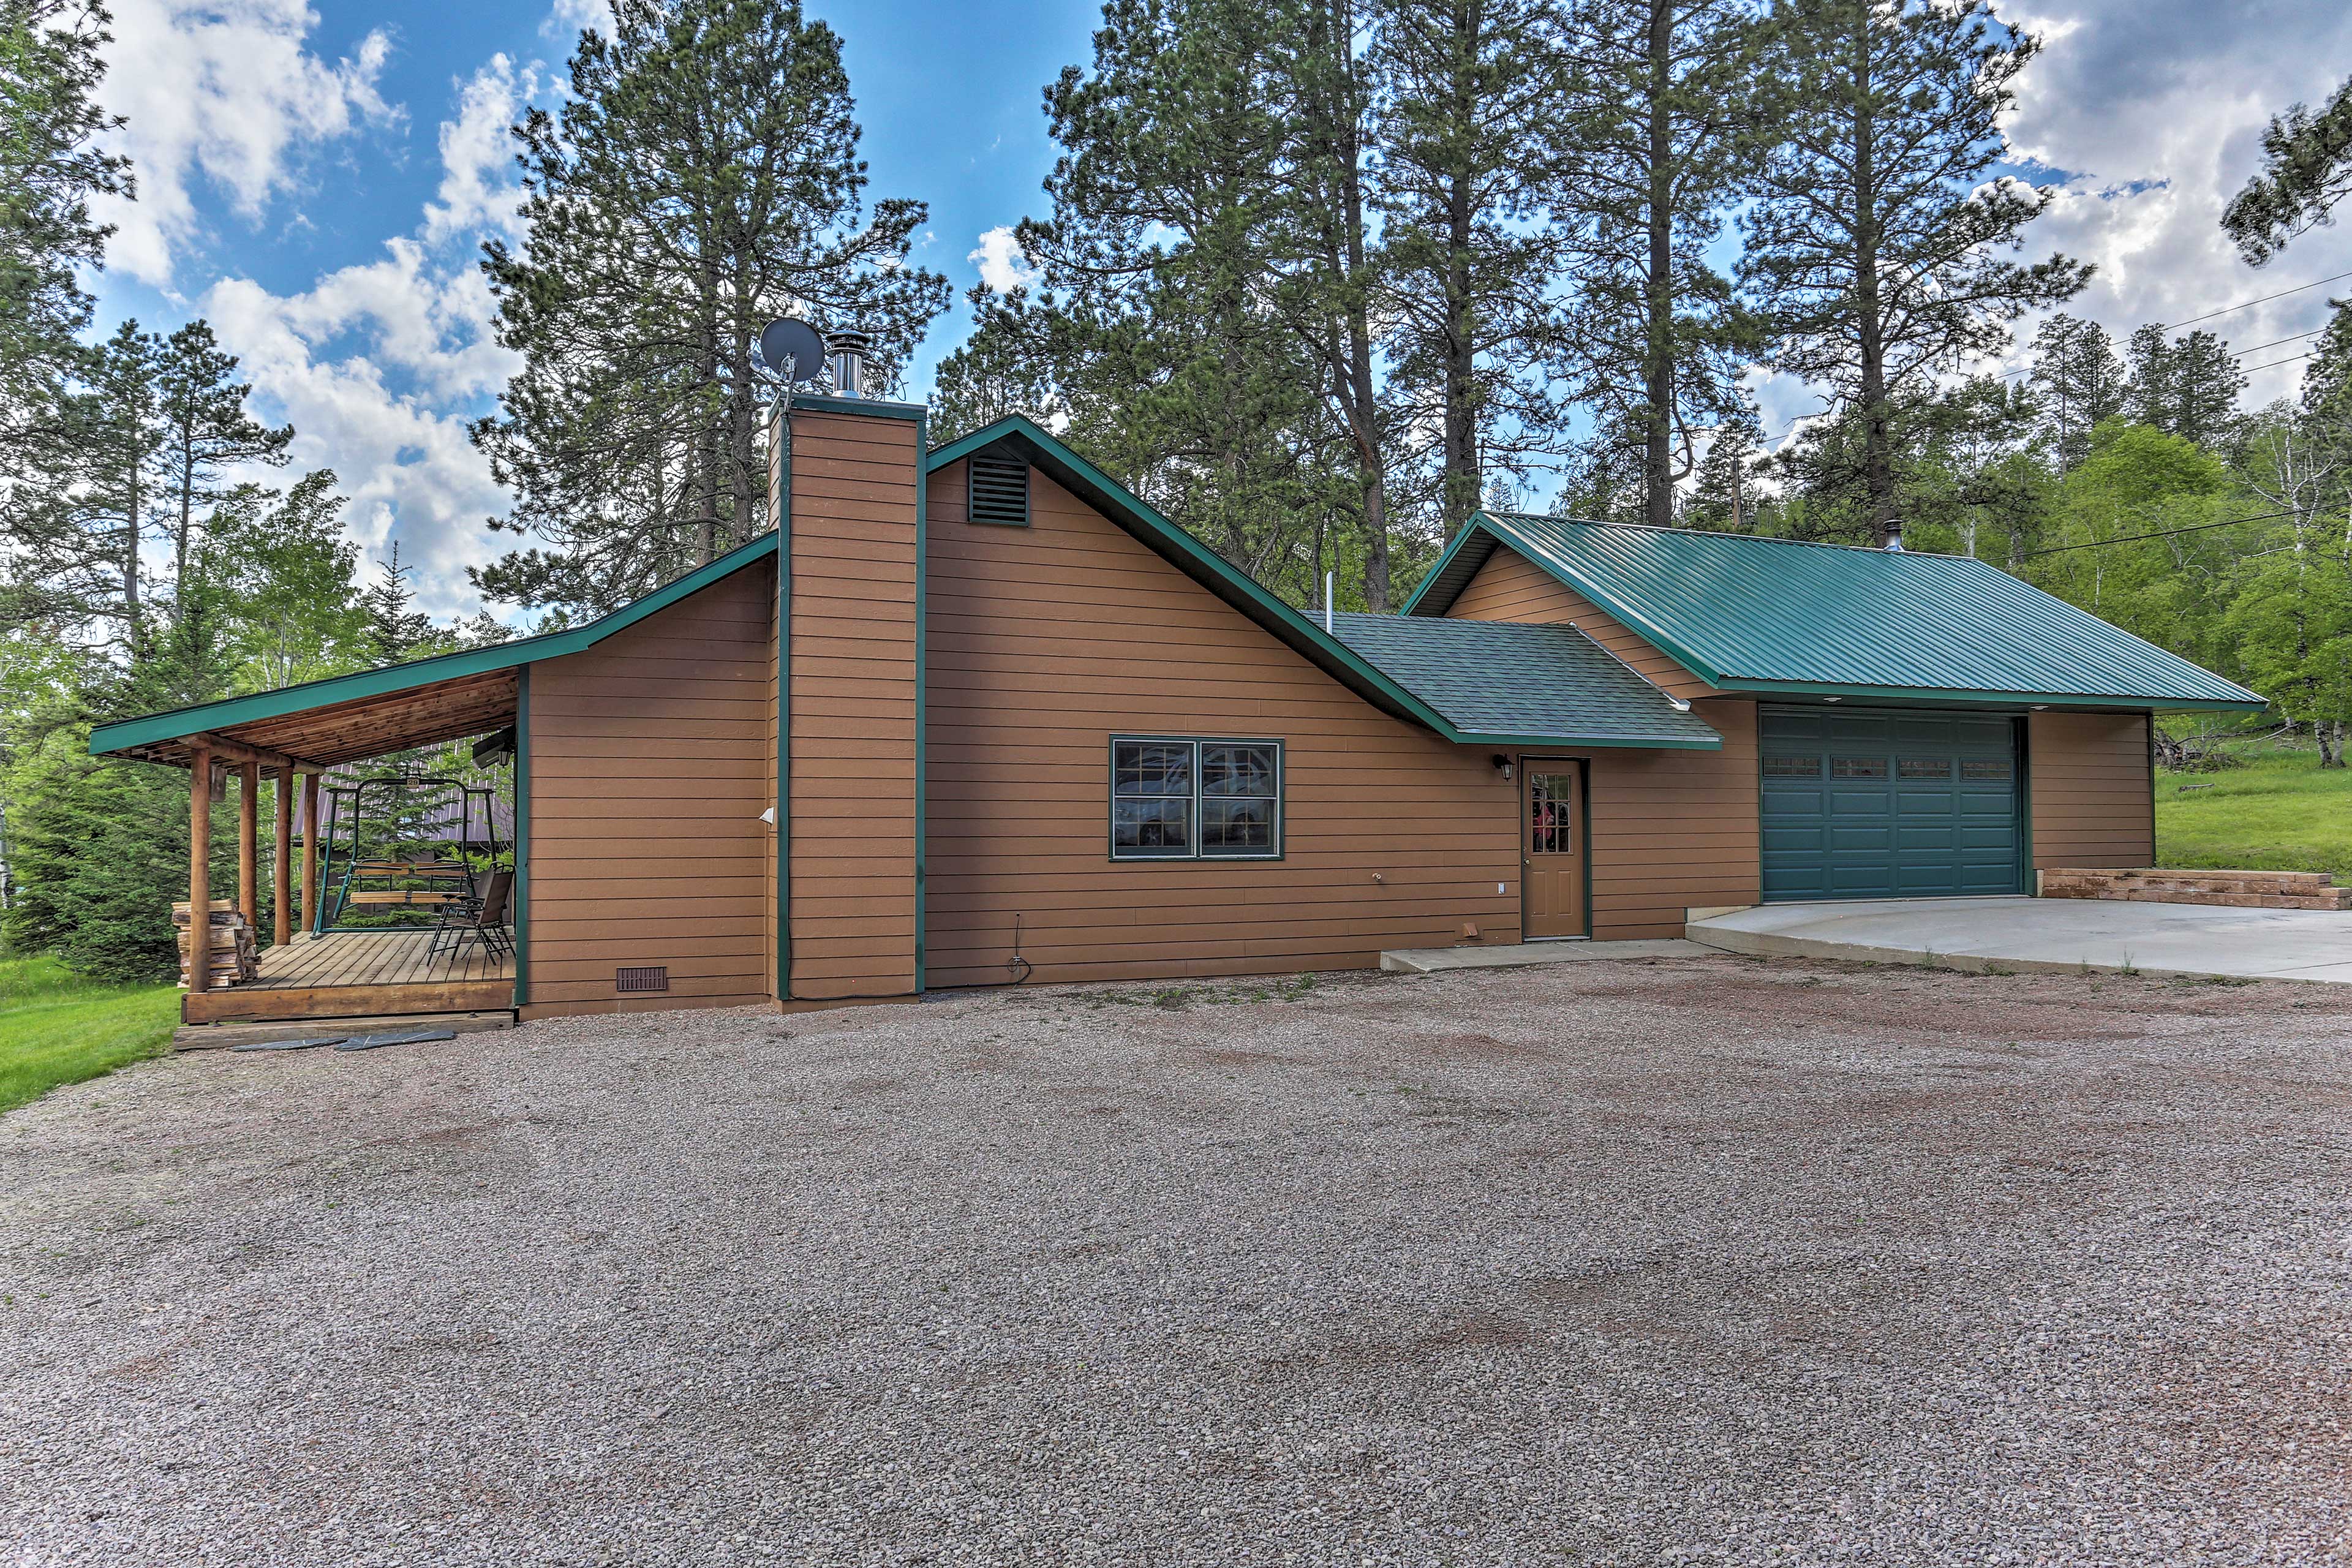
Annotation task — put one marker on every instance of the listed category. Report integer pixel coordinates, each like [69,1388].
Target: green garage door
[1878,802]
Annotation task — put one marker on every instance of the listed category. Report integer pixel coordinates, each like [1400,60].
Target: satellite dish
[792,349]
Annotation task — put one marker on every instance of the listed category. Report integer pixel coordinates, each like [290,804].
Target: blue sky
[317,179]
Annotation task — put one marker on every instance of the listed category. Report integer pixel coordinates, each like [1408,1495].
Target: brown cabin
[1027,731]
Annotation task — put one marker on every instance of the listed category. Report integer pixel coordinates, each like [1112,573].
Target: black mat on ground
[304,1044]
[395,1037]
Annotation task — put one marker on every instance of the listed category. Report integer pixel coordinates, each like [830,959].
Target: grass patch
[2278,812]
[57,1027]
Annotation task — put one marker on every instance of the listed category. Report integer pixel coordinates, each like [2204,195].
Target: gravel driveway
[1707,1261]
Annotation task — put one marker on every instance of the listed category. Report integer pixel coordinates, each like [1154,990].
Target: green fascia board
[1485,530]
[1928,697]
[176,723]
[1205,566]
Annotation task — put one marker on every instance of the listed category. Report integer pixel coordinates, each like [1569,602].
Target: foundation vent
[999,490]
[654,977]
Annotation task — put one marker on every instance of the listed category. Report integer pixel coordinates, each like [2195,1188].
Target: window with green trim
[1179,798]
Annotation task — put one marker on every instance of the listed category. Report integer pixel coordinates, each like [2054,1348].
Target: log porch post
[281,863]
[200,892]
[310,851]
[248,844]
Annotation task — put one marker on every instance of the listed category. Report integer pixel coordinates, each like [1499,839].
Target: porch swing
[393,843]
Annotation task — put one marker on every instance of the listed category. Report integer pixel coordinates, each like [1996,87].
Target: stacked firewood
[231,956]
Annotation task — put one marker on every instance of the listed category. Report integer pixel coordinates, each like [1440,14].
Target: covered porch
[267,750]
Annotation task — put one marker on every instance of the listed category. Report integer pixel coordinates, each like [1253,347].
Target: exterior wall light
[1503,766]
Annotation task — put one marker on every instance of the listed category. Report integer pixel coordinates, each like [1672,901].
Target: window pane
[1924,768]
[1857,767]
[1792,767]
[1985,768]
[1232,827]
[1154,767]
[1237,770]
[1150,827]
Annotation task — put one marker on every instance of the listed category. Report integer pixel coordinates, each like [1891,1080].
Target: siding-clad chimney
[845,493]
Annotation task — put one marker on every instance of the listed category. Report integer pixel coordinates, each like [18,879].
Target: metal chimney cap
[845,347]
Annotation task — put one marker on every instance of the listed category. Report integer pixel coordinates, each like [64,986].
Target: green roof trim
[1327,652]
[1503,678]
[1777,617]
[177,722]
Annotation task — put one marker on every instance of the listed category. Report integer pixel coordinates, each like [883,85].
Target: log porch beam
[200,895]
[248,844]
[281,867]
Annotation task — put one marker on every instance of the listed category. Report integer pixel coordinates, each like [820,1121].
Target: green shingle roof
[1499,677]
[1750,614]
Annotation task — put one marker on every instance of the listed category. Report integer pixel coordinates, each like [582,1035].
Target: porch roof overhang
[347,718]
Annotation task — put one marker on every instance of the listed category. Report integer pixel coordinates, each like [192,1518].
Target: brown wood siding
[650,764]
[2090,790]
[1047,641]
[1510,588]
[853,675]
[1675,830]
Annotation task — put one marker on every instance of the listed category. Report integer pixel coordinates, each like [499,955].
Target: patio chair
[482,920]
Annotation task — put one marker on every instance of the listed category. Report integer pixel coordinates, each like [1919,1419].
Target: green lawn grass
[57,1027]
[2278,812]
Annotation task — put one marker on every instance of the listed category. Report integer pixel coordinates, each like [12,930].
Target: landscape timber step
[2229,889]
[224,1036]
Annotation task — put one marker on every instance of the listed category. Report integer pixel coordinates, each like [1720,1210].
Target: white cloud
[380,365]
[2156,138]
[569,16]
[478,188]
[1002,266]
[223,93]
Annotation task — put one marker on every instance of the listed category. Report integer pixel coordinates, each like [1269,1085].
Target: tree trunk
[1461,478]
[1878,456]
[706,434]
[1658,305]
[187,506]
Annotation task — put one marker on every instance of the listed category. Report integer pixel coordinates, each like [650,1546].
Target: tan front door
[1551,794]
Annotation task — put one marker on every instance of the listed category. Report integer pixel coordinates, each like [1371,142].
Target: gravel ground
[1712,1261]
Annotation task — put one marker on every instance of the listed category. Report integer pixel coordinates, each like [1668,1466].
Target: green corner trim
[177,722]
[523,839]
[922,668]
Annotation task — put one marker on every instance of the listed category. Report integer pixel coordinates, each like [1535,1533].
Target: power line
[2298,289]
[2276,362]
[2166,533]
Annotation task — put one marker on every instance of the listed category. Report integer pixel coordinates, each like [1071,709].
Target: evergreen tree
[2187,387]
[1873,244]
[1467,95]
[702,179]
[1659,137]
[293,575]
[118,432]
[51,167]
[204,427]
[395,631]
[2307,171]
[2080,380]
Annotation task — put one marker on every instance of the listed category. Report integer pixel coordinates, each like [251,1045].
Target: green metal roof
[1502,678]
[1776,615]
[132,735]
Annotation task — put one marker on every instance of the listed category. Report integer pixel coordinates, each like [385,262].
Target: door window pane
[1924,768]
[1552,813]
[1857,767]
[1792,767]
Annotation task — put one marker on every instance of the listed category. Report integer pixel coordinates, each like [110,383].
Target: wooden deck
[353,975]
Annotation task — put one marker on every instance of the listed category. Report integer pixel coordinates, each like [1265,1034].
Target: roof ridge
[1720,533]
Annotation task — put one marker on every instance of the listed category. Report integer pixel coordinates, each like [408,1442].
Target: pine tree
[118,436]
[1874,241]
[1468,92]
[395,631]
[2307,171]
[206,427]
[2080,382]
[1657,148]
[51,167]
[702,179]
[2187,387]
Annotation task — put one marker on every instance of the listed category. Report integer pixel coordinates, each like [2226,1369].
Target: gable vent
[999,490]
[652,978]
